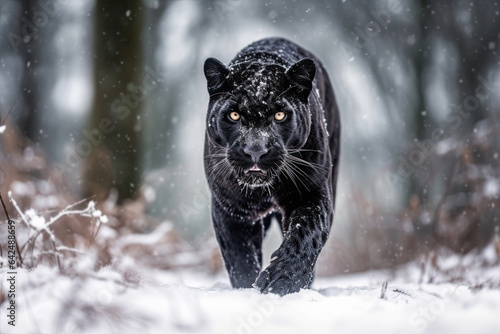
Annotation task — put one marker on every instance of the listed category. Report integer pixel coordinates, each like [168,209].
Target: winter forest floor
[67,289]
[127,299]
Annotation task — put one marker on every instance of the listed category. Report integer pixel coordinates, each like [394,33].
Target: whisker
[300,150]
[310,164]
[291,174]
[215,155]
[300,173]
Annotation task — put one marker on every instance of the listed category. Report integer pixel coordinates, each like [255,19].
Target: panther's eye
[279,116]
[234,116]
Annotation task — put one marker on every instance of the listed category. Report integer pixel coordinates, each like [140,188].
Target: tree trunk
[111,141]
[29,52]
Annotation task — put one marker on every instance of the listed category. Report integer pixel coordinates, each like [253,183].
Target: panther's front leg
[240,242]
[292,264]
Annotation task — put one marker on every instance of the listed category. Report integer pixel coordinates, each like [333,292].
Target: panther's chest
[254,204]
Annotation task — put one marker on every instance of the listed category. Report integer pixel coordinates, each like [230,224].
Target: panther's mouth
[254,169]
[255,177]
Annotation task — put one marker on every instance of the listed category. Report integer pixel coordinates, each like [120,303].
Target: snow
[35,221]
[131,300]
[23,188]
[492,188]
[147,239]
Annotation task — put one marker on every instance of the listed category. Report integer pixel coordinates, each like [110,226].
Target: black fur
[259,167]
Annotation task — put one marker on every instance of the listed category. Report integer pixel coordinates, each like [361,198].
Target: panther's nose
[255,153]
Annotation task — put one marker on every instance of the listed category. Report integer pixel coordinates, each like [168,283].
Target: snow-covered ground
[131,300]
[129,297]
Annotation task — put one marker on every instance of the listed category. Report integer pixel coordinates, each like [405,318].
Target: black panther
[271,150]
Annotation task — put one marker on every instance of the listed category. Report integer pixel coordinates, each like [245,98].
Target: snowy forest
[102,121]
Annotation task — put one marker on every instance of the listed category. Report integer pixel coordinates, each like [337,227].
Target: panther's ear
[301,74]
[216,73]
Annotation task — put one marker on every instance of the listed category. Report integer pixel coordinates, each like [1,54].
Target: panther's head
[258,116]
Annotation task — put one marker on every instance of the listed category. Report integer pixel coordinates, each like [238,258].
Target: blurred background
[106,99]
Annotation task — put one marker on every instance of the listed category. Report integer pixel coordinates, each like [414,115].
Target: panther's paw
[283,277]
